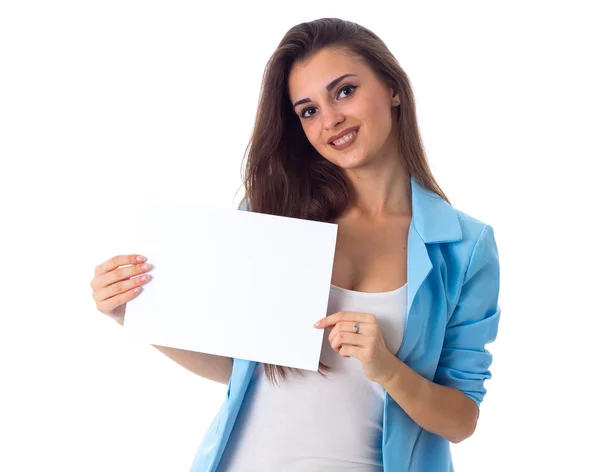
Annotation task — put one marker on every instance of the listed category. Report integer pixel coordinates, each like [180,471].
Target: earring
[396,101]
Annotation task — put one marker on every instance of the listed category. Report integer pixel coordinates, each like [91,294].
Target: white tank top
[315,423]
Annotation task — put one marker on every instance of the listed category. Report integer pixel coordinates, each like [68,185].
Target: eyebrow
[329,87]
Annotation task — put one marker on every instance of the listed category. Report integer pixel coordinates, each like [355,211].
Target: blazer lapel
[433,221]
[419,264]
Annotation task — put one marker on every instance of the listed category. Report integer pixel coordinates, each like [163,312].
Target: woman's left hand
[367,346]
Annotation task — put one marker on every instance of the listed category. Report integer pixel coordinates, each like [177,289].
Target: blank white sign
[232,283]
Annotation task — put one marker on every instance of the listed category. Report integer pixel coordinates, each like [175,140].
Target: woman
[414,290]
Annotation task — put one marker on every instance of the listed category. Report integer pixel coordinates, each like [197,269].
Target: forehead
[320,69]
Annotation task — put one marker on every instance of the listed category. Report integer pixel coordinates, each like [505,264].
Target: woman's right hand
[113,285]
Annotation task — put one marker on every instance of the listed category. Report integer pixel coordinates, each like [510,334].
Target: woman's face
[335,92]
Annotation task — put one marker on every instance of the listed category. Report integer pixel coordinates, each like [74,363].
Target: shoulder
[478,244]
[472,228]
[465,242]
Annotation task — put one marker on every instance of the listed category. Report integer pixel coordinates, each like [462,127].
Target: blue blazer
[453,312]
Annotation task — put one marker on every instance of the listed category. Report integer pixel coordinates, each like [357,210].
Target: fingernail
[141,258]
[316,325]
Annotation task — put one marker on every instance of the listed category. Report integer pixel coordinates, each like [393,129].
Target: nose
[331,117]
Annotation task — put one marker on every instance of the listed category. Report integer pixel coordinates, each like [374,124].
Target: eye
[349,89]
[304,110]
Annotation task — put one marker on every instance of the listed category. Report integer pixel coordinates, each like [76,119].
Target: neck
[381,189]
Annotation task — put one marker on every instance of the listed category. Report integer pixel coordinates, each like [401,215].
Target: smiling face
[337,95]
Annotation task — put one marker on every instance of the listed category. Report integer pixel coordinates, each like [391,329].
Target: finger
[116,261]
[350,351]
[343,316]
[330,320]
[119,274]
[123,286]
[108,305]
[365,329]
[347,338]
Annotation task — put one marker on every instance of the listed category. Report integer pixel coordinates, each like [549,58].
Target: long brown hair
[284,173]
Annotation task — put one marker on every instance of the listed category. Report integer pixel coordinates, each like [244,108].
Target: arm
[449,406]
[442,410]
[209,366]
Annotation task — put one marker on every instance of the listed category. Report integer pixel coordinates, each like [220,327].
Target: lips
[347,140]
[342,134]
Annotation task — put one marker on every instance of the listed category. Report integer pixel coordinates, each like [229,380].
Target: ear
[395,98]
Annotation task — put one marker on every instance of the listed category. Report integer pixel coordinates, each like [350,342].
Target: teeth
[344,139]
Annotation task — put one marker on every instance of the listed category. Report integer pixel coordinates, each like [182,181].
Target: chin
[351,160]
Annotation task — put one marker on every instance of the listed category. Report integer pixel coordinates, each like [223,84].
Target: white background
[105,103]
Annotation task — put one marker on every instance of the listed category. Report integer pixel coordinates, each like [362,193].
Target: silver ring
[356,327]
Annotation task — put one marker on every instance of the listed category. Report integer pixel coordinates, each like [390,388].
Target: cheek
[381,128]
[379,116]
[312,135]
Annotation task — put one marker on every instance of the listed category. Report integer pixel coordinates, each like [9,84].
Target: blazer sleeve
[464,363]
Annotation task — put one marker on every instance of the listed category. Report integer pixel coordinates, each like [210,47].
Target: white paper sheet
[232,283]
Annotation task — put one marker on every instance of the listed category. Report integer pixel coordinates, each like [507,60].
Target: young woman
[414,291]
